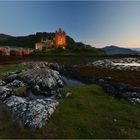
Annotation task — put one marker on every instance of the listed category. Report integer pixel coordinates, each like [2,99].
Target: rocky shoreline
[40,89]
[131,64]
[111,87]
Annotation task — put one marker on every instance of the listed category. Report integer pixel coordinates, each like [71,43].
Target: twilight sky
[98,23]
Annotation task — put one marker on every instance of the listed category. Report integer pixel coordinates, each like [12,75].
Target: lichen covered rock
[5,92]
[37,102]
[34,114]
[2,83]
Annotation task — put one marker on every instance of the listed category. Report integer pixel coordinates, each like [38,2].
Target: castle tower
[60,39]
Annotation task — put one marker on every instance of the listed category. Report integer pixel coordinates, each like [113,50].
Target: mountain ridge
[112,49]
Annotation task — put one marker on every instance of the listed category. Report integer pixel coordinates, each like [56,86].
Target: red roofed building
[25,52]
[15,53]
[3,51]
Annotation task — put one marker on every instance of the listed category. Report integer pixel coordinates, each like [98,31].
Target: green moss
[20,91]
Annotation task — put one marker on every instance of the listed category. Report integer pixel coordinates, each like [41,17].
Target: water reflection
[128,64]
[71,82]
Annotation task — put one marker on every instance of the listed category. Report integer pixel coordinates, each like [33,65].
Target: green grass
[87,113]
[8,127]
[11,67]
[71,51]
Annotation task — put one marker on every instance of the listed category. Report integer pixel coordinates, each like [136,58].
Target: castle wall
[38,46]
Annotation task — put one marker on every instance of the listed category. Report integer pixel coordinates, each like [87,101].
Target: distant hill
[136,49]
[30,40]
[3,37]
[23,41]
[117,50]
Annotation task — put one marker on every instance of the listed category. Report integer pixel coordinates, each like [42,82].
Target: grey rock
[11,77]
[43,80]
[131,94]
[4,92]
[131,64]
[34,114]
[40,79]
[15,84]
[2,83]
[119,90]
[43,88]
[55,66]
[135,100]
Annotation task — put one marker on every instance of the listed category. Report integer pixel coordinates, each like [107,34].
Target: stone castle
[58,41]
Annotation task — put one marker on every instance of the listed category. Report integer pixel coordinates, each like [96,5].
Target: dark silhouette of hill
[3,37]
[23,41]
[117,50]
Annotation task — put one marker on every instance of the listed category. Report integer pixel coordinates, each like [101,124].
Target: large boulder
[40,87]
[35,113]
[39,80]
[42,80]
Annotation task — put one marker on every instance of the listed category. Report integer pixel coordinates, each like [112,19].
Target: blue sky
[98,23]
